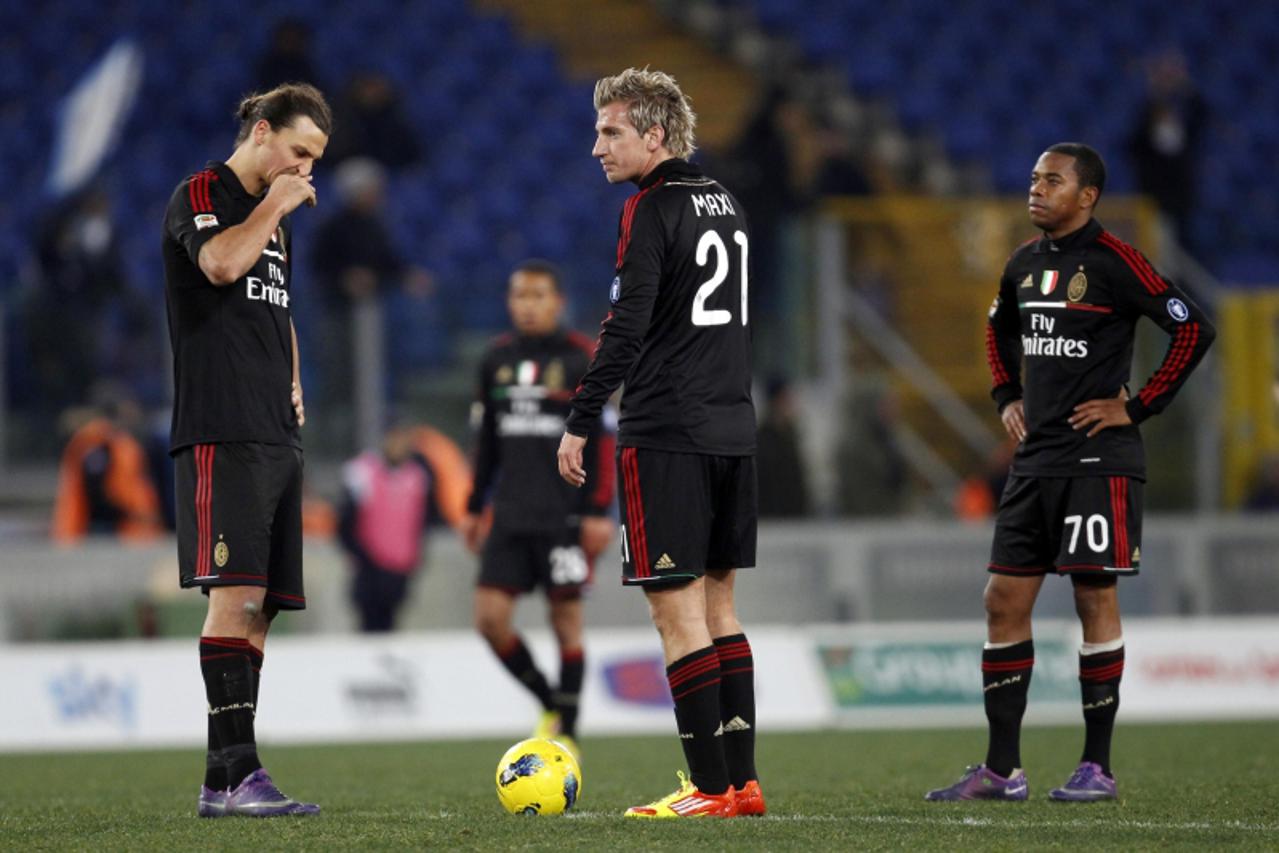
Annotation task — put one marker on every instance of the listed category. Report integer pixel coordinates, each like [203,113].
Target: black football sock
[1099,676]
[519,663]
[737,707]
[214,763]
[228,687]
[1005,675]
[694,681]
[569,693]
[256,657]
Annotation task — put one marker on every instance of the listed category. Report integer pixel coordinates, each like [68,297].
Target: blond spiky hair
[652,98]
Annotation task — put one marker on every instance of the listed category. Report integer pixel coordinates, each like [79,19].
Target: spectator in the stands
[369,122]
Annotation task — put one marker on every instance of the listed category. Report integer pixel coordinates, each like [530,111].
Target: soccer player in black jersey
[678,334]
[1067,307]
[544,532]
[236,415]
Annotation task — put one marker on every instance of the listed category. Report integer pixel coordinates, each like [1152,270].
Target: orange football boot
[750,800]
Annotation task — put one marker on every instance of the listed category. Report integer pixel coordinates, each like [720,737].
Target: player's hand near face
[597,533]
[1014,418]
[570,459]
[289,191]
[295,398]
[1109,412]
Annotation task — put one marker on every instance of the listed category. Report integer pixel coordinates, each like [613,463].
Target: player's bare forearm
[231,254]
[295,398]
[569,459]
[1101,414]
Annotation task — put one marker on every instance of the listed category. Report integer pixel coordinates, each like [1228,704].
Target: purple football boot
[257,796]
[982,783]
[1088,784]
[212,803]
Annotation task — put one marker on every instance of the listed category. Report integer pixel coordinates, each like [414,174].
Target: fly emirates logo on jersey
[1042,341]
[272,291]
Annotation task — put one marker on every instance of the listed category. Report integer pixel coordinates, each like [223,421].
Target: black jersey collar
[229,180]
[667,169]
[1073,240]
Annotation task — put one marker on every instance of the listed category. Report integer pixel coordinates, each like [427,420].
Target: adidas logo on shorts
[664,562]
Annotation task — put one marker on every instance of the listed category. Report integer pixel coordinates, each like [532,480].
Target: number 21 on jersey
[711,241]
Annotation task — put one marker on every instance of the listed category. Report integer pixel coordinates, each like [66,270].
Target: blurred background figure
[371,123]
[355,264]
[783,473]
[288,57]
[104,479]
[1264,496]
[80,289]
[873,469]
[389,497]
[1165,141]
[978,495]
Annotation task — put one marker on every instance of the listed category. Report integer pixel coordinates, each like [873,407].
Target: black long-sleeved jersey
[678,331]
[518,416]
[1070,308]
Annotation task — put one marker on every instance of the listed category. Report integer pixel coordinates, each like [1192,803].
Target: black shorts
[1070,525]
[685,513]
[517,561]
[239,507]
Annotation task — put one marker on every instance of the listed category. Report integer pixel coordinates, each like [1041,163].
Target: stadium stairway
[599,37]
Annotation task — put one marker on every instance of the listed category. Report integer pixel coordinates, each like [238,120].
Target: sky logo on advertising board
[640,681]
[80,698]
[935,673]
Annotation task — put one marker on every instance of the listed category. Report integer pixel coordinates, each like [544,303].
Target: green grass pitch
[1182,786]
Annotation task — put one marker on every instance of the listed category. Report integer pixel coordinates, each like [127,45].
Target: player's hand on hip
[1014,418]
[295,398]
[290,190]
[569,457]
[1100,414]
[597,533]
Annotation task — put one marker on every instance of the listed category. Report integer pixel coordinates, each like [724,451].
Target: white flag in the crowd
[93,115]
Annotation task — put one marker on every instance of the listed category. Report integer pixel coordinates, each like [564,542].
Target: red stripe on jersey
[639,536]
[599,341]
[201,484]
[582,342]
[195,206]
[1138,264]
[204,189]
[633,512]
[204,505]
[1100,309]
[997,370]
[1119,518]
[628,218]
[1183,346]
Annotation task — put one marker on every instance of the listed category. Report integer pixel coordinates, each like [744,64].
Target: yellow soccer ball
[538,776]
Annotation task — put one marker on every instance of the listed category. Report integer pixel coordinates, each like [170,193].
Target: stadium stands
[997,82]
[506,172]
